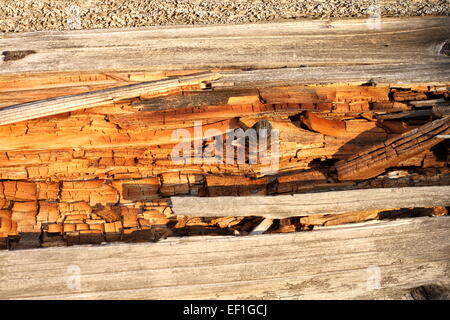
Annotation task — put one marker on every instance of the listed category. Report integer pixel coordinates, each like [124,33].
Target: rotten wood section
[285,206]
[54,106]
[105,173]
[373,161]
[378,260]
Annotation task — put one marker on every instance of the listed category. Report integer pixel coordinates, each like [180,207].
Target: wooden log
[284,206]
[365,261]
[54,106]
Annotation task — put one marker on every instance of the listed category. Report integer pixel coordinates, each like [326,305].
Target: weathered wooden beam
[356,74]
[374,160]
[338,50]
[367,261]
[53,106]
[284,206]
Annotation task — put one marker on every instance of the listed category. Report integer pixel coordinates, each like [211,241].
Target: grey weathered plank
[401,43]
[333,263]
[355,74]
[284,206]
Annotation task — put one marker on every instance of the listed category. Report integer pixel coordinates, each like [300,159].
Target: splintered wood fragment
[262,227]
[54,106]
[374,160]
[284,206]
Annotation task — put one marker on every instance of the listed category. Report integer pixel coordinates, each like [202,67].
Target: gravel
[36,15]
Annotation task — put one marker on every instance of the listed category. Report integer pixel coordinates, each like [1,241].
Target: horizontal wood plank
[284,206]
[394,74]
[335,263]
[401,43]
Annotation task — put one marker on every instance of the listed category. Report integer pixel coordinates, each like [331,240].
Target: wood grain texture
[332,263]
[356,74]
[284,206]
[401,43]
[54,106]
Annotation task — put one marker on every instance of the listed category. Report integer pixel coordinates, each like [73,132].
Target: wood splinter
[54,106]
[262,227]
[374,160]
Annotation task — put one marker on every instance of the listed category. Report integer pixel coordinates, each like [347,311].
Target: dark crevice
[430,292]
[445,50]
[16,55]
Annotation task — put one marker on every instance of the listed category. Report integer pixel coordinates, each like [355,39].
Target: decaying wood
[285,206]
[199,99]
[104,172]
[336,263]
[147,135]
[54,106]
[334,128]
[374,160]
